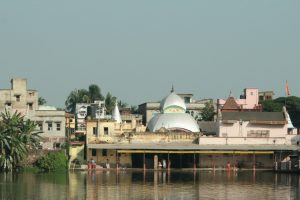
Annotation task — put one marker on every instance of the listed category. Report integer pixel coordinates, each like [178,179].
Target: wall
[242,141]
[240,130]
[125,159]
[18,88]
[240,160]
[76,152]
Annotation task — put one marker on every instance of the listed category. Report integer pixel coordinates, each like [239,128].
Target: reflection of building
[49,120]
[193,107]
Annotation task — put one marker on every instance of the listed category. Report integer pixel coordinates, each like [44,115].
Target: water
[206,185]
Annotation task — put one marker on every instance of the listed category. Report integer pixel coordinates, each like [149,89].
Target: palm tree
[17,137]
[76,96]
[95,93]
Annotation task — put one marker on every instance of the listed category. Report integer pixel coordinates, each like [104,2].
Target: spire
[172,90]
[116,114]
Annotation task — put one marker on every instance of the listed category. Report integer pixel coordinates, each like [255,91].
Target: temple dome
[173,116]
[172,103]
[174,122]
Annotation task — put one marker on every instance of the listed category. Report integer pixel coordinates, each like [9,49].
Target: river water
[207,185]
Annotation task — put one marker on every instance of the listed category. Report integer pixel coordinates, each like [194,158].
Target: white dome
[172,100]
[173,121]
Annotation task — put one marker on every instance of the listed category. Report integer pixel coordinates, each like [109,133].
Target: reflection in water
[150,185]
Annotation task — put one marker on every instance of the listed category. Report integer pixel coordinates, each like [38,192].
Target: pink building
[247,102]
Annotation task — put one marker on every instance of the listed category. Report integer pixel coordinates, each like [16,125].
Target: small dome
[116,114]
[173,121]
[172,101]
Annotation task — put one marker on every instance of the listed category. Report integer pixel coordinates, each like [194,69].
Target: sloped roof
[254,116]
[230,104]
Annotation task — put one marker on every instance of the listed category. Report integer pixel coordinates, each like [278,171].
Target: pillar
[144,162]
[155,162]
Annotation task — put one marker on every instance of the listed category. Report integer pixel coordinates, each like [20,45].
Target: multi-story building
[25,101]
[266,95]
[249,101]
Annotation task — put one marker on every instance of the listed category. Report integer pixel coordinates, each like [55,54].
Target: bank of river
[150,185]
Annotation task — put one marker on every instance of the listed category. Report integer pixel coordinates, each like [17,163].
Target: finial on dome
[172,90]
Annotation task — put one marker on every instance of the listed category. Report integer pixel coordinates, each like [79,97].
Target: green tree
[17,136]
[271,106]
[122,104]
[83,96]
[110,102]
[208,112]
[42,101]
[95,93]
[292,104]
[53,161]
[76,96]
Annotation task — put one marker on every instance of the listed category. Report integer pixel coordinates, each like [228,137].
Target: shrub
[53,161]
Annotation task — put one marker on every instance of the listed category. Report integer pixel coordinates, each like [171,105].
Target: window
[30,106]
[95,131]
[18,98]
[40,125]
[58,126]
[105,130]
[8,104]
[104,152]
[49,126]
[94,152]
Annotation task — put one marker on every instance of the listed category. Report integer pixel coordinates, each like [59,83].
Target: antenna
[172,90]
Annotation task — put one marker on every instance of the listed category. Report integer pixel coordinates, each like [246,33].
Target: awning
[195,152]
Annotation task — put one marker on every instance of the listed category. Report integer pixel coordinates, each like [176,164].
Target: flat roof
[194,147]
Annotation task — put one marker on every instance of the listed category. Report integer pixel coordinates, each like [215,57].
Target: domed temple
[173,116]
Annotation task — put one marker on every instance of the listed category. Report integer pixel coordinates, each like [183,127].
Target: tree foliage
[17,136]
[95,93]
[208,112]
[83,96]
[292,104]
[110,102]
[42,101]
[53,161]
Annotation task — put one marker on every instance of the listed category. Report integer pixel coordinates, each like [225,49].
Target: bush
[53,161]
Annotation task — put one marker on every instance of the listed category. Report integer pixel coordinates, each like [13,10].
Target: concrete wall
[18,97]
[219,161]
[241,130]
[124,159]
[242,141]
[76,152]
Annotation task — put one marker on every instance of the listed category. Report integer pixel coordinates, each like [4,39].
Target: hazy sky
[138,49]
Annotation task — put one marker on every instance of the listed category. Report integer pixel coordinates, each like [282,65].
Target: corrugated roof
[254,116]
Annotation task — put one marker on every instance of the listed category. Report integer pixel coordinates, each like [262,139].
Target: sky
[137,49]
